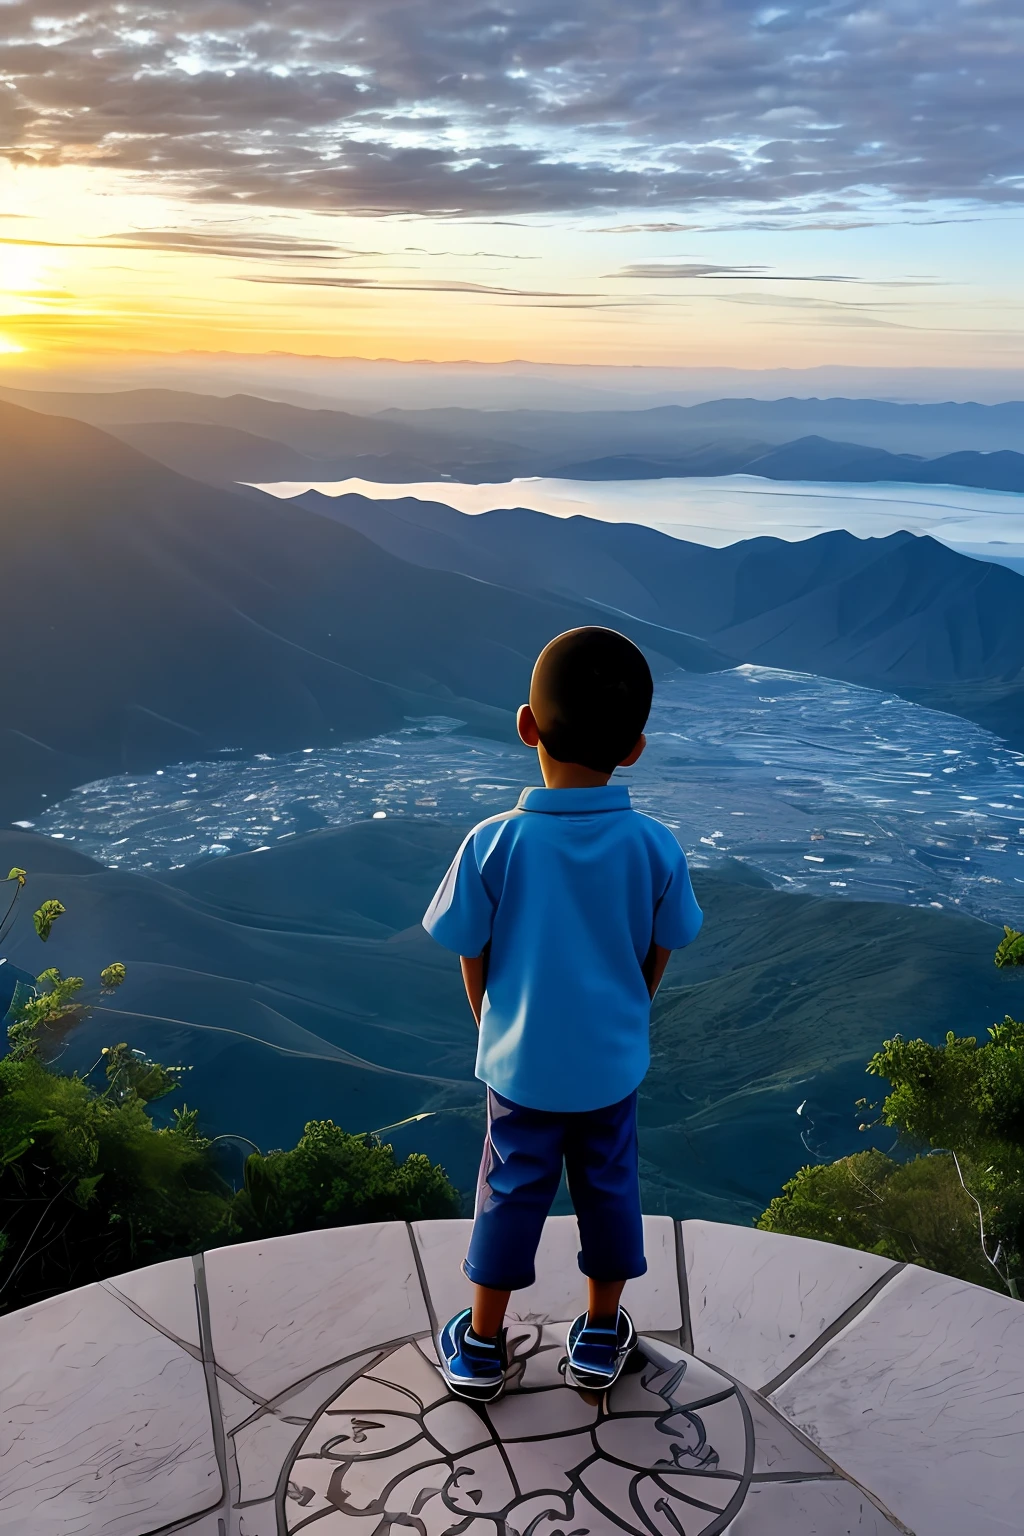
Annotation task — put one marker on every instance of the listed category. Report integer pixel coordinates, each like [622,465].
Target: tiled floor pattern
[212,1397]
[672,1450]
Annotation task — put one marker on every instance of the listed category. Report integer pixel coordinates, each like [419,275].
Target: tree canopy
[90,1186]
[958,1205]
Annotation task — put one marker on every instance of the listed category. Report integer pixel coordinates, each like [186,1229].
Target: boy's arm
[653,967]
[474,978]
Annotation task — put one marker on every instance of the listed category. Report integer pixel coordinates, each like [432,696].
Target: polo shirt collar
[603,797]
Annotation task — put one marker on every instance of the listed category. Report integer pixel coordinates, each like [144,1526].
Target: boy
[564,912]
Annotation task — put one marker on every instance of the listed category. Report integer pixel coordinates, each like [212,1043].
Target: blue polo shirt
[568,889]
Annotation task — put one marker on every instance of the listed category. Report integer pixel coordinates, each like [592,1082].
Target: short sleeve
[461,913]
[677,917]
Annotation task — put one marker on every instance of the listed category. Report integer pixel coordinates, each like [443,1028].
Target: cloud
[247,247]
[665,227]
[504,108]
[426,285]
[205,243]
[690,269]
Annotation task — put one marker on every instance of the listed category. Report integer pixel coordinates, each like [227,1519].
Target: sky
[670,182]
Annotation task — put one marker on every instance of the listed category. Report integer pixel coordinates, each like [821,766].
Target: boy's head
[590,696]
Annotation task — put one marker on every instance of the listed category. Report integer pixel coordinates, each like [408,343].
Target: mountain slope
[152,618]
[297,984]
[902,612]
[316,433]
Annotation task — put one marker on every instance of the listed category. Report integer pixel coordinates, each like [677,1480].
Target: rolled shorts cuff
[478,1276]
[604,1273]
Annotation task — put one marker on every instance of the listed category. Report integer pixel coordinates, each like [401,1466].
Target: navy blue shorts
[519,1178]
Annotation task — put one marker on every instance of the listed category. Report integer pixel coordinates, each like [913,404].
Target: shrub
[915,1211]
[959,1210]
[90,1187]
[331,1178]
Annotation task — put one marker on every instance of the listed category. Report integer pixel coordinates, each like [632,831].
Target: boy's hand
[654,967]
[474,977]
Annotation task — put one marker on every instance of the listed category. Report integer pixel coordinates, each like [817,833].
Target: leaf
[1011,948]
[112,976]
[85,1189]
[17,874]
[46,916]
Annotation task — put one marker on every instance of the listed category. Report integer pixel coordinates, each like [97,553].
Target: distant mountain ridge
[155,619]
[904,612]
[151,618]
[816,459]
[223,440]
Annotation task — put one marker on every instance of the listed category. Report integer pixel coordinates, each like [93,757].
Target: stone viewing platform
[783,1388]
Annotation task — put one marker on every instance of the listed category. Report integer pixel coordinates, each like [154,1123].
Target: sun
[7,346]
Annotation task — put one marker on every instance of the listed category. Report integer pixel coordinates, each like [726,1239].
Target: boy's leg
[519,1177]
[602,1164]
[603,1298]
[489,1308]
[603,1168]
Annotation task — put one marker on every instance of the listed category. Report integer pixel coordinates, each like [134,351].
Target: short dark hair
[590,695]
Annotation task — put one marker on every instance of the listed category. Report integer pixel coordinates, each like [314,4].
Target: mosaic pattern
[670,1451]
[782,1388]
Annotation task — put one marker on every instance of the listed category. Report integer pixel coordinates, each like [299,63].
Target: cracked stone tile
[261,1449]
[258,1520]
[929,1376]
[559,1292]
[778,1449]
[406,1368]
[235,1407]
[548,1464]
[106,1422]
[167,1293]
[279,1308]
[215,1523]
[834,1508]
[312,1396]
[456,1427]
[618,1490]
[758,1299]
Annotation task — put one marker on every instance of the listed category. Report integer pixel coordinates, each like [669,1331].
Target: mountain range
[223,440]
[903,613]
[150,618]
[297,984]
[154,618]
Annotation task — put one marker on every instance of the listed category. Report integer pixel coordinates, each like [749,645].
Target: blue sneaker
[473,1368]
[597,1355]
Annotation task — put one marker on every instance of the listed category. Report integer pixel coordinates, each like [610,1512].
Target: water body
[722,509]
[825,787]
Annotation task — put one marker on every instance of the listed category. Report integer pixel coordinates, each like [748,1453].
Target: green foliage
[916,1212]
[131,1074]
[89,1186]
[19,876]
[1011,948]
[332,1178]
[112,976]
[45,917]
[961,1212]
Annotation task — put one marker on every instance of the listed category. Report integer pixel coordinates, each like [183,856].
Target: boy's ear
[627,762]
[526,725]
